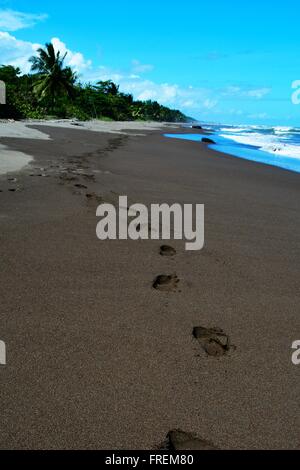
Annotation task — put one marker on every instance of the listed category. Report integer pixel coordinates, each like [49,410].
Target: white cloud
[258,116]
[259,93]
[210,103]
[73,59]
[95,74]
[15,52]
[169,94]
[11,20]
[239,92]
[147,90]
[191,100]
[235,112]
[137,67]
[215,55]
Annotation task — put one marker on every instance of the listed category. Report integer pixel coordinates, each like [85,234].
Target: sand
[97,358]
[24,129]
[11,161]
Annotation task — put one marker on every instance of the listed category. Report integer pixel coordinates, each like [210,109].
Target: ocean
[277,146]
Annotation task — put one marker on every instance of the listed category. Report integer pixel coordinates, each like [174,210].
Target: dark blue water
[272,146]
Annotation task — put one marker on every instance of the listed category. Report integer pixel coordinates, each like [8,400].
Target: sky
[228,62]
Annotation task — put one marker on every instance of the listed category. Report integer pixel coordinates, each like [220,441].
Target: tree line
[54,90]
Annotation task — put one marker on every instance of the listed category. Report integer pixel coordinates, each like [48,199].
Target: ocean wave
[283,130]
[277,130]
[265,142]
[234,129]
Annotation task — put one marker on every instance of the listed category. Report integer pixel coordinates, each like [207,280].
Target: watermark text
[2,92]
[296,93]
[2,353]
[296,353]
[160,222]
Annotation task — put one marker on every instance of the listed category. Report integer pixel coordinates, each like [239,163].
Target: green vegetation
[54,90]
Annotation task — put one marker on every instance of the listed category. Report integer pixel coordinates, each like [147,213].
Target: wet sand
[97,358]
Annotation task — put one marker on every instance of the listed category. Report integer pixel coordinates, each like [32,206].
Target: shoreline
[269,149]
[96,357]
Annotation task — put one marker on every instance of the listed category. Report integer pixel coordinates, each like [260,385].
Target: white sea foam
[282,130]
[234,129]
[266,142]
[283,149]
[254,138]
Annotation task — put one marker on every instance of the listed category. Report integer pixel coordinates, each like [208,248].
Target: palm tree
[107,87]
[54,80]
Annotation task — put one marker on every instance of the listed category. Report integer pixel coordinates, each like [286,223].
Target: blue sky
[220,61]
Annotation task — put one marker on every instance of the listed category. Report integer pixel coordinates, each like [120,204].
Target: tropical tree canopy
[107,87]
[53,89]
[54,79]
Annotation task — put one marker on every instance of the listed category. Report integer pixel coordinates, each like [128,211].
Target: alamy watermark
[2,92]
[296,94]
[160,222]
[2,353]
[296,353]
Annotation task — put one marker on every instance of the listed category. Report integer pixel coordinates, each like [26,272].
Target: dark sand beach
[97,358]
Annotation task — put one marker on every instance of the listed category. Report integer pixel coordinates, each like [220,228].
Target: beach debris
[197,127]
[166,250]
[213,340]
[88,176]
[80,168]
[206,140]
[165,282]
[81,186]
[12,180]
[93,197]
[76,123]
[66,177]
[180,440]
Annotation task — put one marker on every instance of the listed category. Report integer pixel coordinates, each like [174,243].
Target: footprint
[93,197]
[180,440]
[68,178]
[166,250]
[88,176]
[213,340]
[166,282]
